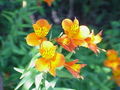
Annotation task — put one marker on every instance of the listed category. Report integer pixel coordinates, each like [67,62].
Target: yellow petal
[112,54]
[70,28]
[58,60]
[76,22]
[97,39]
[52,71]
[42,64]
[41,27]
[84,31]
[33,40]
[66,24]
[47,49]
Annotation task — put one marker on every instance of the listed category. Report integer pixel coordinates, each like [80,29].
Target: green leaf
[22,82]
[38,79]
[32,62]
[64,74]
[19,70]
[50,84]
[28,84]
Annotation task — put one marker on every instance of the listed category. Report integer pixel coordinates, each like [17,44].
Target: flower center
[47,50]
[73,31]
[41,32]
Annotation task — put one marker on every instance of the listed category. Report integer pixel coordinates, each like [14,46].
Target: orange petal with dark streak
[74,69]
[66,43]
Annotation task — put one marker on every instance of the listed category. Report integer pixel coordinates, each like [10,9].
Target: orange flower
[93,40]
[49,2]
[76,35]
[71,29]
[66,43]
[72,37]
[112,54]
[50,59]
[41,29]
[113,64]
[113,61]
[74,68]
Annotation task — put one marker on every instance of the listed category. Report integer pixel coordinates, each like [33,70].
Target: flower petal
[97,38]
[58,60]
[33,40]
[94,48]
[66,24]
[84,32]
[42,64]
[52,71]
[66,43]
[73,68]
[42,23]
[76,22]
[112,54]
[41,27]
[47,49]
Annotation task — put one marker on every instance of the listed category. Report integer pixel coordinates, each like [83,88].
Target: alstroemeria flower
[74,68]
[71,28]
[113,61]
[50,59]
[93,40]
[112,54]
[66,43]
[76,35]
[72,37]
[49,2]
[113,64]
[41,29]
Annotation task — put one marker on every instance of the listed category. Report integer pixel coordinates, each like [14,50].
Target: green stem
[69,55]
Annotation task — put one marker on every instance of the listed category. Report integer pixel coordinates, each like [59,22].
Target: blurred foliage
[16,22]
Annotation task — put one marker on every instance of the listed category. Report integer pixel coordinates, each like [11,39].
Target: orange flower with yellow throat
[113,62]
[74,68]
[41,29]
[51,59]
[76,35]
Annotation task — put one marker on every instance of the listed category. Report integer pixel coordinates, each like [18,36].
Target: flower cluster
[78,35]
[113,62]
[74,36]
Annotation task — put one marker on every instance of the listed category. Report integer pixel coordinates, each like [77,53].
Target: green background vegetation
[16,22]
